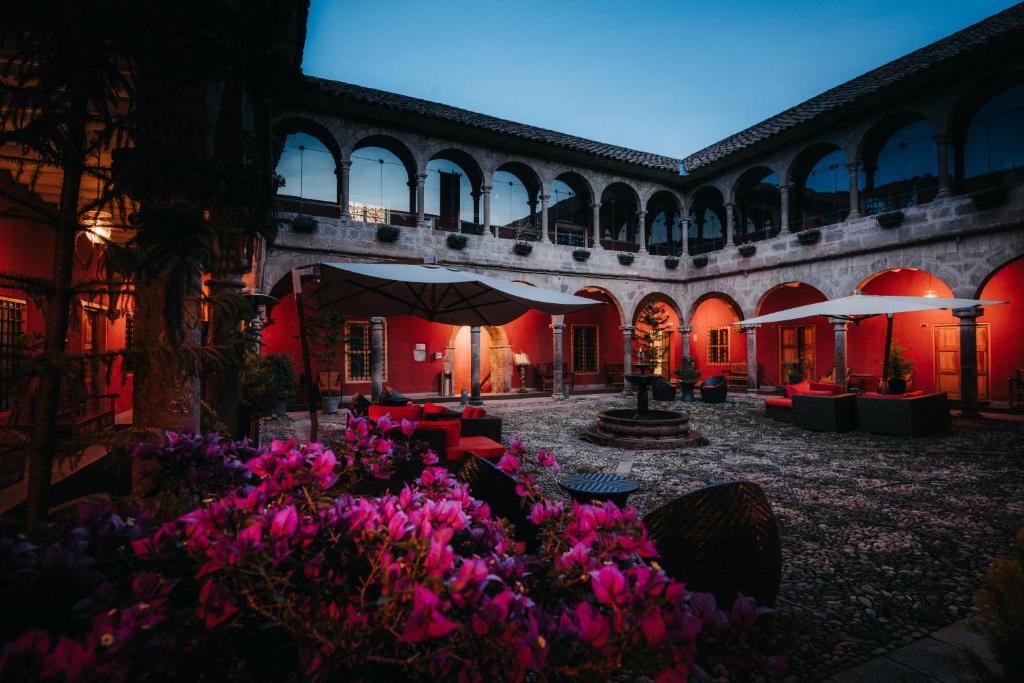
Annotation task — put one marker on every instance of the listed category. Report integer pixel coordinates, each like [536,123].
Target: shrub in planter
[808,236]
[1000,603]
[626,259]
[700,261]
[890,219]
[522,248]
[304,224]
[989,197]
[580,254]
[388,233]
[671,262]
[456,241]
[747,249]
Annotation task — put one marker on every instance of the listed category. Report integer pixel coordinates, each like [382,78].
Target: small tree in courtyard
[650,336]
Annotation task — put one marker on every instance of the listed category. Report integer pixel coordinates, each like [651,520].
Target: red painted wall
[531,334]
[715,313]
[768,354]
[1006,325]
[609,335]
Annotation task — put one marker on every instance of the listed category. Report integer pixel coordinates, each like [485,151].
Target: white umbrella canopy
[433,292]
[860,306]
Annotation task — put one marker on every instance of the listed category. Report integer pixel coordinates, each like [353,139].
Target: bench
[546,377]
[736,376]
[614,374]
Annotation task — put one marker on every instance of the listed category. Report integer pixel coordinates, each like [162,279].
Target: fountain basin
[653,429]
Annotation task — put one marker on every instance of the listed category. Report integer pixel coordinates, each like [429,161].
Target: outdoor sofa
[813,415]
[910,414]
[450,434]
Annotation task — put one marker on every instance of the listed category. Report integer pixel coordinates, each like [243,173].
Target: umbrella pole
[300,307]
[888,347]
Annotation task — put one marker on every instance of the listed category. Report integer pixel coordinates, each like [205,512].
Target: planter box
[472,229]
[700,261]
[522,248]
[388,233]
[626,259]
[989,197]
[808,236]
[889,219]
[671,263]
[304,224]
[580,255]
[456,241]
[747,249]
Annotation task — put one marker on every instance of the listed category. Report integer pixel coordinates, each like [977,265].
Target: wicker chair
[911,416]
[837,413]
[497,489]
[714,389]
[720,539]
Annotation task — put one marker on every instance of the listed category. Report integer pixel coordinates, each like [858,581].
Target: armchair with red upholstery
[449,434]
[781,408]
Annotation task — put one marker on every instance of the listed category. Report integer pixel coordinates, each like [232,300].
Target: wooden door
[947,360]
[796,344]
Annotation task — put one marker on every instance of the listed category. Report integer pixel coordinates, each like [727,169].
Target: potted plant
[889,219]
[456,241]
[899,368]
[302,223]
[626,259]
[794,369]
[688,375]
[700,261]
[522,248]
[268,384]
[388,233]
[808,236]
[671,262]
[525,237]
[747,249]
[327,347]
[580,254]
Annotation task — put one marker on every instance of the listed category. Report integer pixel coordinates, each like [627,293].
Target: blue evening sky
[660,76]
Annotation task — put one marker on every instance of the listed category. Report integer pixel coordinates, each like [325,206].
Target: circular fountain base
[653,429]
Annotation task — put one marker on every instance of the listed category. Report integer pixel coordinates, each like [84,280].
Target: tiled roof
[444,112]
[970,38]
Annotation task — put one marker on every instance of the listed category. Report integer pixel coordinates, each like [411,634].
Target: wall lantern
[98,226]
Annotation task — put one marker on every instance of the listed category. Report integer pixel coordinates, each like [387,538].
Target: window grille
[584,348]
[718,345]
[12,320]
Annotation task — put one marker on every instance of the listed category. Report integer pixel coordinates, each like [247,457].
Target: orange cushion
[452,430]
[397,413]
[433,409]
[779,402]
[481,445]
[801,388]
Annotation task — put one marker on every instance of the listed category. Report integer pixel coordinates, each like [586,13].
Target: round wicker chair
[720,539]
[491,485]
[714,389]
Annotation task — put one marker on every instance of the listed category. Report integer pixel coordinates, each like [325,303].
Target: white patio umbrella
[863,306]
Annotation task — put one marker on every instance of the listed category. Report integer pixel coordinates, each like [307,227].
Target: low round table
[589,486]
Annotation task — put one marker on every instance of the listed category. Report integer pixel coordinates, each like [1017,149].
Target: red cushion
[801,388]
[481,445]
[472,411]
[872,394]
[452,430]
[433,409]
[779,402]
[912,394]
[816,392]
[397,413]
[825,386]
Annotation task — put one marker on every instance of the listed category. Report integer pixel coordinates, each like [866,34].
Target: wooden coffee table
[585,487]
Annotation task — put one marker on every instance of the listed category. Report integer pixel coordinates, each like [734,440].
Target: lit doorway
[947,360]
[796,345]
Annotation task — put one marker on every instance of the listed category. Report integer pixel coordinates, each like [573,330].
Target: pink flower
[385,423]
[285,522]
[594,627]
[546,510]
[509,463]
[545,459]
[408,427]
[429,458]
[608,584]
[425,620]
[653,627]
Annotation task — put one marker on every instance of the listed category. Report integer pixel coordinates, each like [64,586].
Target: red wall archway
[609,334]
[791,295]
[716,312]
[668,308]
[1006,325]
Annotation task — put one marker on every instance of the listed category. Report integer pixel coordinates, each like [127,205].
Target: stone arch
[809,342]
[819,185]
[285,126]
[730,301]
[758,204]
[518,213]
[607,294]
[307,172]
[963,114]
[663,223]
[670,344]
[898,162]
[457,201]
[773,289]
[707,220]
[992,273]
[499,358]
[620,203]
[396,146]
[657,297]
[570,216]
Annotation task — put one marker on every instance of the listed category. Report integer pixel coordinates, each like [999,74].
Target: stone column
[221,386]
[476,206]
[684,225]
[412,196]
[969,358]
[627,357]
[557,326]
[641,224]
[595,207]
[942,143]
[730,223]
[784,207]
[474,365]
[421,179]
[854,190]
[685,331]
[485,190]
[752,384]
[544,218]
[342,172]
[376,358]
[840,326]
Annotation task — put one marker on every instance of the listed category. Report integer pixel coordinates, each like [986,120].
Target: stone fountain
[642,428]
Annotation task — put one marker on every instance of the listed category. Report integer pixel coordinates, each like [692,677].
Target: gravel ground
[883,537]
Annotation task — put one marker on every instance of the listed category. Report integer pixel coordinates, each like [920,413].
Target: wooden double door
[796,345]
[947,360]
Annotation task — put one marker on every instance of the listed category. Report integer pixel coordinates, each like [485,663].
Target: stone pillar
[342,172]
[627,357]
[544,218]
[641,224]
[485,190]
[412,196]
[557,326]
[476,206]
[376,358]
[969,358]
[684,225]
[421,179]
[685,331]
[222,385]
[730,223]
[752,384]
[783,207]
[854,190]
[474,365]
[840,326]
[595,207]
[942,143]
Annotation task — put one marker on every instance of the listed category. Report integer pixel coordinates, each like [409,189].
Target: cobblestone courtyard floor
[883,538]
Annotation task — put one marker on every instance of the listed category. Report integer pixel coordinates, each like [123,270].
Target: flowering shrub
[290,575]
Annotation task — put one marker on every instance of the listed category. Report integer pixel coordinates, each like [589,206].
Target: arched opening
[715,342]
[619,207]
[664,224]
[707,221]
[570,216]
[900,164]
[495,360]
[515,191]
[382,184]
[924,337]
[1006,328]
[804,347]
[592,341]
[758,205]
[452,191]
[306,169]
[666,343]
[989,137]
[819,188]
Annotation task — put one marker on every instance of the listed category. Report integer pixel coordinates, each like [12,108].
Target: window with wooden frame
[584,348]
[357,351]
[12,324]
[718,345]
